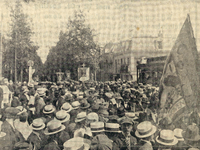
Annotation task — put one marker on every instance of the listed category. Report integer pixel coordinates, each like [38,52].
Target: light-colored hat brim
[2,134]
[50,133]
[67,110]
[79,120]
[65,120]
[40,128]
[168,144]
[77,107]
[113,131]
[48,112]
[98,131]
[154,129]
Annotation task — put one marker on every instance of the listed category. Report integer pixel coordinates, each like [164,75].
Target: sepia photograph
[99,75]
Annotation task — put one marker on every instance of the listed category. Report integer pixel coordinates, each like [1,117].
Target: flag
[179,84]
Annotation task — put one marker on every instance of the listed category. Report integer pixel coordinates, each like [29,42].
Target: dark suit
[52,146]
[121,144]
[143,145]
[15,102]
[12,136]
[38,142]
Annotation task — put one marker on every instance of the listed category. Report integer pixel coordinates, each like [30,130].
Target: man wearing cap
[12,134]
[145,132]
[37,137]
[16,102]
[24,98]
[53,130]
[125,140]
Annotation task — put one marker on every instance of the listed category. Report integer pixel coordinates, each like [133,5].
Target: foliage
[75,46]
[20,44]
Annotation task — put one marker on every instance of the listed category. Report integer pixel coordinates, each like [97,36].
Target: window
[121,61]
[128,60]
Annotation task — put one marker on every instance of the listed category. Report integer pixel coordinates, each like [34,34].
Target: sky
[112,20]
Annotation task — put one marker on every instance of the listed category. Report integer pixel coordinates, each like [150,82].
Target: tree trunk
[21,74]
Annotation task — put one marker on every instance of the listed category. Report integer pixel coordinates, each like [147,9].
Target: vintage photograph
[99,75]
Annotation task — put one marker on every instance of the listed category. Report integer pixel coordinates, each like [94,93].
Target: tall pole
[1,49]
[15,61]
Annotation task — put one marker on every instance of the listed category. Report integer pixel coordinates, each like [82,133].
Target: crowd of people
[73,115]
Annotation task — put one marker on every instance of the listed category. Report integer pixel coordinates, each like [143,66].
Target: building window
[121,61]
[128,60]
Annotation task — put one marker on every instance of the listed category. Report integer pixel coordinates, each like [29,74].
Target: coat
[53,145]
[12,136]
[15,102]
[38,140]
[144,145]
[121,144]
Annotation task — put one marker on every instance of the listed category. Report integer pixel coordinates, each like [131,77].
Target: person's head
[38,125]
[23,117]
[145,130]
[127,126]
[81,118]
[54,129]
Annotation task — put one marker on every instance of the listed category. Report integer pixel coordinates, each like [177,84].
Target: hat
[38,124]
[75,105]
[53,127]
[95,107]
[167,138]
[22,145]
[112,127]
[178,134]
[80,117]
[84,104]
[11,111]
[108,95]
[131,115]
[62,116]
[121,111]
[30,85]
[103,112]
[125,119]
[191,133]
[97,126]
[76,143]
[66,107]
[48,109]
[193,148]
[92,117]
[145,129]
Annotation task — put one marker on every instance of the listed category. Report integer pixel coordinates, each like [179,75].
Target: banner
[84,74]
[179,85]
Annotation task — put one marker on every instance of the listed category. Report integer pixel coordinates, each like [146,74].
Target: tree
[75,46]
[20,48]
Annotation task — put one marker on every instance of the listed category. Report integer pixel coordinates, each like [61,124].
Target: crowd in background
[73,115]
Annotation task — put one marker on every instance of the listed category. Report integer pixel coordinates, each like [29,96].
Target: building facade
[120,60]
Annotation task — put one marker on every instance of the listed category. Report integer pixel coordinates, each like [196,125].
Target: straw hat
[167,138]
[112,127]
[145,129]
[80,117]
[53,127]
[38,124]
[66,107]
[178,134]
[76,143]
[75,105]
[97,126]
[62,116]
[48,109]
[92,117]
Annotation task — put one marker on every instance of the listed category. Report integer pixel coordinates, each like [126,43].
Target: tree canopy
[19,47]
[75,46]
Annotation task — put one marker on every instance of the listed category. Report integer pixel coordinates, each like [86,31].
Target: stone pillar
[30,71]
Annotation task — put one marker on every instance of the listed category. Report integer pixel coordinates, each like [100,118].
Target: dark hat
[11,111]
[126,119]
[121,111]
[191,133]
[22,146]
[84,104]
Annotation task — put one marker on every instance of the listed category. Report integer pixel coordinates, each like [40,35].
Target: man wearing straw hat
[53,130]
[166,140]
[37,137]
[145,132]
